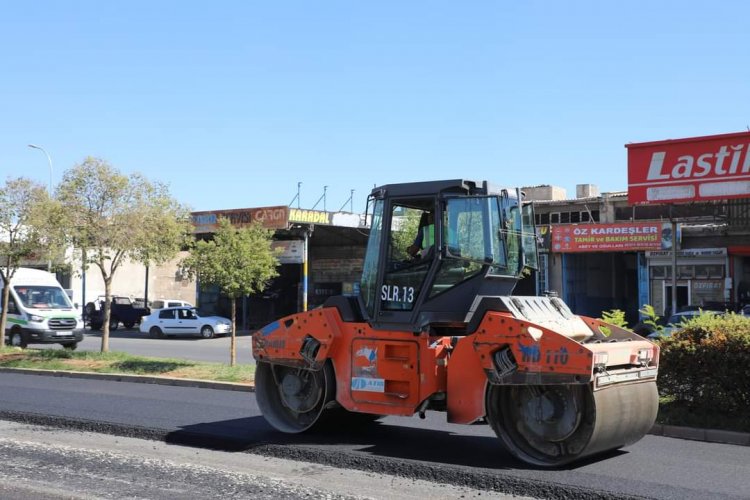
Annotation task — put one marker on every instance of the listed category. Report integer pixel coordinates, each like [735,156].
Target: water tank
[587,191]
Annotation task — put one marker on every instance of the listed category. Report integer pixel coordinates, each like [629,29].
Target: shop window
[595,215]
[716,271]
[701,272]
[685,272]
[585,217]
[658,272]
[554,218]
[575,217]
[544,219]
[709,271]
[564,217]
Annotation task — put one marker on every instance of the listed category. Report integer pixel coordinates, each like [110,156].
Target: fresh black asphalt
[655,467]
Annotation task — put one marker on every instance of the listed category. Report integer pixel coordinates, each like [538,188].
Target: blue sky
[233,103]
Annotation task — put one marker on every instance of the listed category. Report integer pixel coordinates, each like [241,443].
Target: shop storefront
[603,265]
[701,279]
[739,269]
[320,255]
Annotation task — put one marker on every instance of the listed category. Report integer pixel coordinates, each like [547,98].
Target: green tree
[111,217]
[238,261]
[22,207]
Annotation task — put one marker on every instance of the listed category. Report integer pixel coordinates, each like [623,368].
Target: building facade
[601,253]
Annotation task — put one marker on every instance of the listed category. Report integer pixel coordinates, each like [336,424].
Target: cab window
[473,239]
[369,280]
[410,251]
[474,230]
[529,237]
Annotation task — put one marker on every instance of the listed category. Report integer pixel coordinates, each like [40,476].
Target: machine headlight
[600,362]
[34,317]
[644,356]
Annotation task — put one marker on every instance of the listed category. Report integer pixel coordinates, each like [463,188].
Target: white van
[162,303]
[40,312]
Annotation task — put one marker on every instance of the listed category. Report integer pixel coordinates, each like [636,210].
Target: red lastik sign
[632,236]
[714,167]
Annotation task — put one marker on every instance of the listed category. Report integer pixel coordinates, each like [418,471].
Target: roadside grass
[123,363]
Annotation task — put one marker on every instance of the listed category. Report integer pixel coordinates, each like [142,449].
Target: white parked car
[677,320]
[174,321]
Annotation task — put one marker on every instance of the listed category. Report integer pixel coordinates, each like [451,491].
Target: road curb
[698,434]
[138,379]
[673,431]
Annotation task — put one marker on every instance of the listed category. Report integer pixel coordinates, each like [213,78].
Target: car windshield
[43,297]
[677,319]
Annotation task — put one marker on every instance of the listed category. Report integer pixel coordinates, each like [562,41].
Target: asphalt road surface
[655,467]
[51,464]
[190,348]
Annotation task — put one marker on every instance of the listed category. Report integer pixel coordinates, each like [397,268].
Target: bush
[651,321]
[706,364]
[613,317]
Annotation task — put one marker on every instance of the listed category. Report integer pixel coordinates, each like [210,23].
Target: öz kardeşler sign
[633,236]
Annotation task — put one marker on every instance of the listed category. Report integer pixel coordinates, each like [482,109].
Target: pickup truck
[122,311]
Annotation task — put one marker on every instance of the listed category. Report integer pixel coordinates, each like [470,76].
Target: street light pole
[49,160]
[49,188]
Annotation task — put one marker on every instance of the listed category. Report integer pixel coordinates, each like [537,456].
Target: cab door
[14,315]
[400,255]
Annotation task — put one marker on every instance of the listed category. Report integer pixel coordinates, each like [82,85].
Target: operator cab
[435,246]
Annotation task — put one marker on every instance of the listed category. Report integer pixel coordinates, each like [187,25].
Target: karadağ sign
[713,167]
[633,236]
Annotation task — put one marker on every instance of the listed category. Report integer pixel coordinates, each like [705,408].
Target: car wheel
[207,332]
[155,333]
[17,339]
[113,322]
[71,347]
[129,325]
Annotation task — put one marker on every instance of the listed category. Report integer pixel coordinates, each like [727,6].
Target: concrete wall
[164,282]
